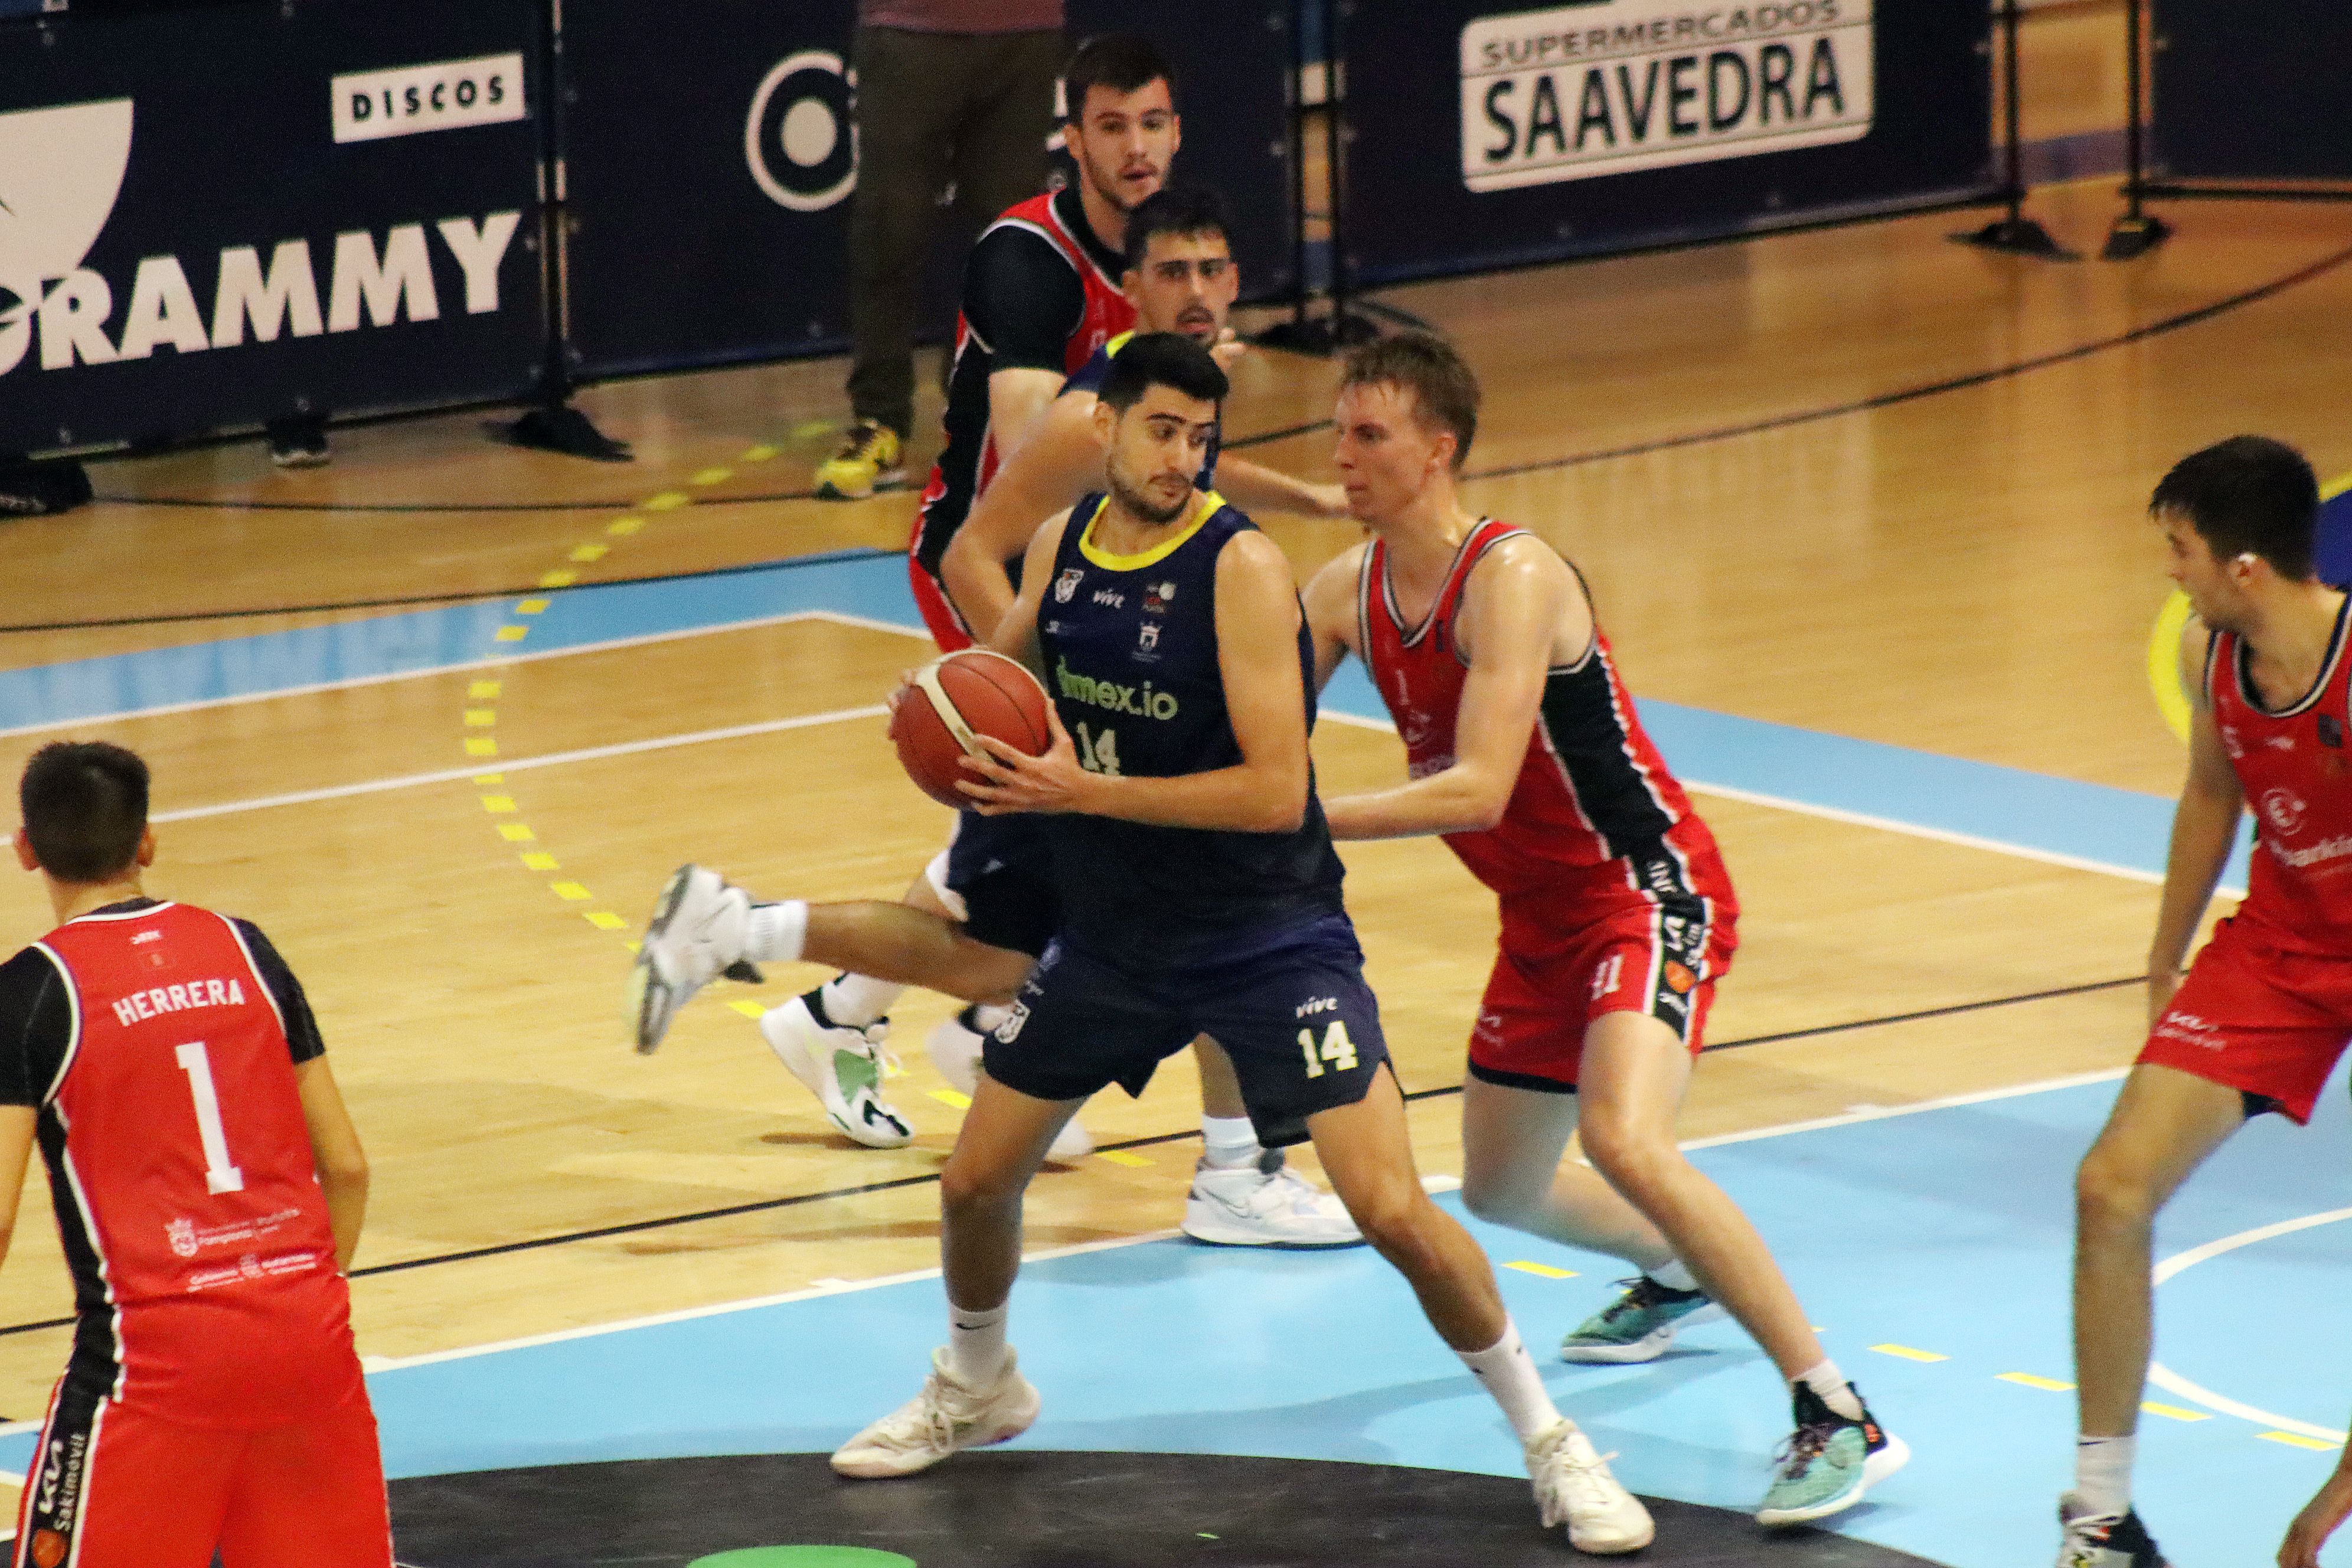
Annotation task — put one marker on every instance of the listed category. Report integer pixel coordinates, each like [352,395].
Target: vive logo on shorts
[801,138]
[407,100]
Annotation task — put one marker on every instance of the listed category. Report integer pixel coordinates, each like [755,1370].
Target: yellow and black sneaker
[867,461]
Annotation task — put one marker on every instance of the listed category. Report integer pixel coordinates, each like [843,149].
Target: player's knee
[1498,1199]
[2112,1192]
[1392,1218]
[971,1188]
[1633,1158]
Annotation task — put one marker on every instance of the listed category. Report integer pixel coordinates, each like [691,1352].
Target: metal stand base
[2133,236]
[2019,236]
[562,428]
[1321,336]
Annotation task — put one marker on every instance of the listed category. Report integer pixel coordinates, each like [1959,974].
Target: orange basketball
[970,692]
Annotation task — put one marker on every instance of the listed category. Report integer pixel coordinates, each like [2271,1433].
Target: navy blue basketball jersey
[1088,377]
[1131,656]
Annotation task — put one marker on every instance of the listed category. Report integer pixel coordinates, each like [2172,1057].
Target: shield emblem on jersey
[1066,587]
[182,1233]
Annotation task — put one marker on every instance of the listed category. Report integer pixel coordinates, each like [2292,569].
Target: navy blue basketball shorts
[1293,1012]
[997,875]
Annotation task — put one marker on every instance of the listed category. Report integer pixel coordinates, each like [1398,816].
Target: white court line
[1435,1184]
[2166,1378]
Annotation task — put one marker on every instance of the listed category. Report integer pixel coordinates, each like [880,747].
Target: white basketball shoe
[1264,1203]
[947,1415]
[699,925]
[1574,1487]
[841,1064]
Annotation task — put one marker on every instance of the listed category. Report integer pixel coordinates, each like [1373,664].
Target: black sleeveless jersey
[1130,656]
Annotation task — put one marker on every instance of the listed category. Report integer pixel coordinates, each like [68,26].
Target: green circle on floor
[805,1557]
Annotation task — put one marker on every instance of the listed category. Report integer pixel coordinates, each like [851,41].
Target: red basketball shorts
[948,629]
[1559,968]
[115,1487]
[2256,1019]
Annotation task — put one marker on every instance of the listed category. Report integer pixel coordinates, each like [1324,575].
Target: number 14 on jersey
[1335,1049]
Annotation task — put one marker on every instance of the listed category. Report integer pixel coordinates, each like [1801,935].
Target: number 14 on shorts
[1335,1049]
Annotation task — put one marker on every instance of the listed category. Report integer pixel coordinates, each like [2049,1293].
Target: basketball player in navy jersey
[1526,754]
[209,1191]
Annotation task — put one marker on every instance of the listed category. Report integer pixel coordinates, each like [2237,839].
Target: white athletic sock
[987,1016]
[1836,1393]
[1510,1375]
[777,932]
[1230,1140]
[2103,1467]
[854,1001]
[1674,1275]
[975,1344]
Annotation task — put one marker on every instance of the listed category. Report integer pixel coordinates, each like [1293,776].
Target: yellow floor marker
[751,1010]
[481,746]
[558,579]
[605,919]
[485,690]
[1542,1270]
[760,454]
[2028,1380]
[537,861]
[668,501]
[1907,1354]
[481,717]
[2297,1440]
[570,892]
[713,477]
[622,527]
[498,804]
[587,552]
[1121,1157]
[950,1097]
[512,633]
[2173,1412]
[516,833]
[532,607]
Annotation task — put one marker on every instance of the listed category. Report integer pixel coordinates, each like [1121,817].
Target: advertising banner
[1613,124]
[214,217]
[709,159]
[2252,92]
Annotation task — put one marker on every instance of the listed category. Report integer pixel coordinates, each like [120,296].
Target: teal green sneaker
[1638,1325]
[1829,1462]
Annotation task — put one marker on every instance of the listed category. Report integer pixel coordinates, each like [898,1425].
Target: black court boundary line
[1575,459]
[798,1200]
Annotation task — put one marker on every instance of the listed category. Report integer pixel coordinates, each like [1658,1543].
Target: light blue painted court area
[1931,1246]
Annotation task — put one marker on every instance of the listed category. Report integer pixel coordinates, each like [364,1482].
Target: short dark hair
[1444,389]
[85,806]
[1186,212]
[1162,359]
[2248,496]
[1123,62]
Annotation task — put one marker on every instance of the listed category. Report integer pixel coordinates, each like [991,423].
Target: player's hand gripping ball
[950,701]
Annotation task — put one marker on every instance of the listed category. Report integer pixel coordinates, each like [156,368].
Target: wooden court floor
[1858,481]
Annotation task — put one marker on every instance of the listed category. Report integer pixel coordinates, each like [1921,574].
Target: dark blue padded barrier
[2252,92]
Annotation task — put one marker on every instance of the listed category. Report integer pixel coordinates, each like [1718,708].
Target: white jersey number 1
[220,1176]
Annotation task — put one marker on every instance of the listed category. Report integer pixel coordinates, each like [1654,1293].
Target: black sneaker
[2090,1539]
[299,442]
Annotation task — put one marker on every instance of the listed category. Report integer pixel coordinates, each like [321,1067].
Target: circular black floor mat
[1043,1510]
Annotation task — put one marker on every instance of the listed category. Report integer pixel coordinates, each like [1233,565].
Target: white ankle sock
[2103,1467]
[854,1001]
[1674,1275]
[1836,1393]
[1510,1375]
[777,932]
[976,1345]
[1230,1141]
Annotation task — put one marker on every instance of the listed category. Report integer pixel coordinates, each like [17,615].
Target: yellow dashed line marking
[1121,1157]
[485,690]
[757,454]
[2297,1440]
[587,552]
[950,1097]
[558,579]
[1542,1270]
[713,477]
[2029,1381]
[605,919]
[517,833]
[512,633]
[532,607]
[622,527]
[751,1010]
[538,862]
[481,746]
[1907,1354]
[498,804]
[481,717]
[486,780]
[570,892]
[2174,1412]
[668,501]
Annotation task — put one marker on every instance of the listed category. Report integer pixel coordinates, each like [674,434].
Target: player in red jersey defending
[209,1190]
[1617,913]
[2266,1009]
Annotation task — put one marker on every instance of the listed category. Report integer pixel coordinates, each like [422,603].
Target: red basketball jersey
[1594,817]
[970,461]
[2292,762]
[184,1182]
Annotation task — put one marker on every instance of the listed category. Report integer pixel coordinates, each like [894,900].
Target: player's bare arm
[2319,1518]
[1522,613]
[1330,601]
[335,1147]
[1254,488]
[1016,632]
[16,1124]
[1017,398]
[1257,654]
[2204,829]
[1061,460]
